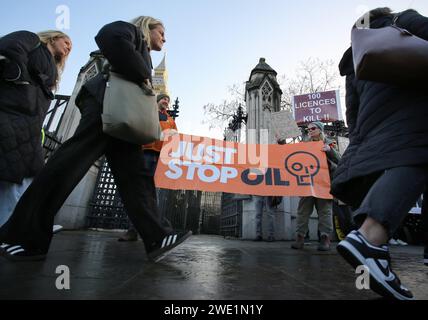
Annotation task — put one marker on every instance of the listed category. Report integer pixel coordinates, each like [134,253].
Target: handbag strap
[395,18]
[148,90]
[403,31]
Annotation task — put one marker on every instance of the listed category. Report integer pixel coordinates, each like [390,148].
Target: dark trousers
[33,218]
[392,196]
[150,160]
[424,212]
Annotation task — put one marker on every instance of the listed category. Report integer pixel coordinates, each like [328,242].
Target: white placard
[343,144]
[284,126]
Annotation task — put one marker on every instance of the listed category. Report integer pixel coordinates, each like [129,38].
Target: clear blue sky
[210,44]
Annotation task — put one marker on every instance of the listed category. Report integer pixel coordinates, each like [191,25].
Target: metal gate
[231,216]
[210,213]
[107,210]
[186,210]
[51,124]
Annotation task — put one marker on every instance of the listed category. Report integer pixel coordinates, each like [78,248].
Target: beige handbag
[130,112]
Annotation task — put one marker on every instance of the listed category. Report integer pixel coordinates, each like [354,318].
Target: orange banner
[205,164]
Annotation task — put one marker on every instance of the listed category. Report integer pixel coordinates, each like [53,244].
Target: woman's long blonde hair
[50,36]
[145,24]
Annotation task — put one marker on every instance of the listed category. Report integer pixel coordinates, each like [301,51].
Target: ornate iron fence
[231,216]
[52,123]
[186,210]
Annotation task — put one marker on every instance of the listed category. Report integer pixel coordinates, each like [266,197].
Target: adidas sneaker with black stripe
[18,253]
[3,247]
[357,251]
[159,250]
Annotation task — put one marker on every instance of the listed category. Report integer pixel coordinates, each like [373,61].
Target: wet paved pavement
[203,268]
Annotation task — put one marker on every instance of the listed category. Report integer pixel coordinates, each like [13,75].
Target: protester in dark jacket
[324,206]
[27,235]
[384,170]
[30,68]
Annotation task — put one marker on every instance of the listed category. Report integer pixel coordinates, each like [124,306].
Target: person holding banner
[28,233]
[323,206]
[385,168]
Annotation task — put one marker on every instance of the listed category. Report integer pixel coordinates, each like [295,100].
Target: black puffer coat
[123,45]
[23,104]
[388,125]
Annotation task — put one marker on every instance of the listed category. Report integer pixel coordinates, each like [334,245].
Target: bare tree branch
[312,75]
[218,115]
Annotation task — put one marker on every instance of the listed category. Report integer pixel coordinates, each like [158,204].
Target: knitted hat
[320,125]
[161,96]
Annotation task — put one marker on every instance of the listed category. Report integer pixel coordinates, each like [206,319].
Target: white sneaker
[57,228]
[401,242]
[357,251]
[393,242]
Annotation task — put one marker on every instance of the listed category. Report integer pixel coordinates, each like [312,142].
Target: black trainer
[3,248]
[357,251]
[158,250]
[426,255]
[18,253]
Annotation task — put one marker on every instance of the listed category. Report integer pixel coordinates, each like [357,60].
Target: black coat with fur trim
[25,96]
[388,124]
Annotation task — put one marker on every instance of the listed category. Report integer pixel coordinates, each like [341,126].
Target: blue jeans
[9,197]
